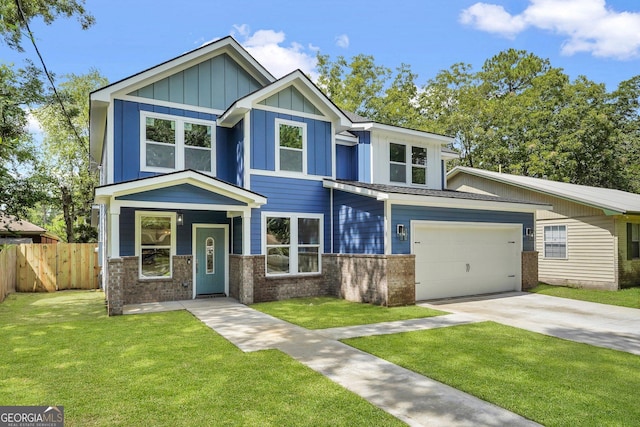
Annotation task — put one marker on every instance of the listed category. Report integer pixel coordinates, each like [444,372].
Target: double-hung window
[407,164]
[555,241]
[293,243]
[155,243]
[291,141]
[175,143]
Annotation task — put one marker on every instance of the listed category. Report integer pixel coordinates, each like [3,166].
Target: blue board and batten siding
[183,232]
[126,138]
[289,195]
[346,162]
[358,224]
[215,83]
[263,145]
[363,155]
[401,214]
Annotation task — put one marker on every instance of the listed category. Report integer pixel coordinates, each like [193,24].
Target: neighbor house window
[633,236]
[175,143]
[291,142]
[155,243]
[407,164]
[555,241]
[293,243]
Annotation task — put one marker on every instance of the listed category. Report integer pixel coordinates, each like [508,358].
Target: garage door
[457,259]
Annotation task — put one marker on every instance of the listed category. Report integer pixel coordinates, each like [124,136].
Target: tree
[15,14]
[19,88]
[66,160]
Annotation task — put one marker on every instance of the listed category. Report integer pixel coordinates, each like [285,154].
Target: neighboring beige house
[591,237]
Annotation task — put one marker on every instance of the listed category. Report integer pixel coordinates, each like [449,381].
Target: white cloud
[33,125]
[268,48]
[342,41]
[588,25]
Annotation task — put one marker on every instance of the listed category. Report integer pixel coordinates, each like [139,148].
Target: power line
[46,71]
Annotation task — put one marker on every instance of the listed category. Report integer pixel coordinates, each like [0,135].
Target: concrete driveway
[591,323]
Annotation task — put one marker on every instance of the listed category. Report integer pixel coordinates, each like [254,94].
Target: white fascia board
[187,177]
[346,140]
[97,128]
[446,202]
[445,155]
[442,139]
[226,45]
[378,195]
[172,206]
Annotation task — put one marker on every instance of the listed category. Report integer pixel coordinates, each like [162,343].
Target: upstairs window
[291,141]
[407,164]
[174,143]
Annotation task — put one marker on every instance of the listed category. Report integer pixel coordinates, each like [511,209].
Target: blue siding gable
[401,214]
[215,83]
[289,195]
[358,224]
[183,193]
[126,136]
[263,145]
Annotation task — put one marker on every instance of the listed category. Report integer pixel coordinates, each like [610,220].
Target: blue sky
[596,38]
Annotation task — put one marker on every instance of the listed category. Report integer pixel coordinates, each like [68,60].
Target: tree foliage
[65,160]
[13,11]
[517,113]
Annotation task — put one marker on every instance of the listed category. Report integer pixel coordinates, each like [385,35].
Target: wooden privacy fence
[55,267]
[8,256]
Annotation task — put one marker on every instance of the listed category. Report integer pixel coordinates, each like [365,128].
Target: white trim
[110,150]
[293,245]
[447,202]
[157,102]
[292,123]
[442,139]
[179,145]
[176,205]
[194,230]
[173,245]
[348,140]
[388,231]
[246,232]
[246,144]
[334,152]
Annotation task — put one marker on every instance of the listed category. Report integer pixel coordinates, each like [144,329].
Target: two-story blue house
[218,179]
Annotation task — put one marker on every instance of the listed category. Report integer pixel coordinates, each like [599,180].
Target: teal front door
[210,261]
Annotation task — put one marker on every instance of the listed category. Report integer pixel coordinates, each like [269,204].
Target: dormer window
[291,141]
[407,164]
[169,143]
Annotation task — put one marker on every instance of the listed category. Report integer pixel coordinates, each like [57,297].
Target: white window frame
[293,241]
[179,145]
[302,125]
[138,242]
[408,164]
[566,241]
[637,238]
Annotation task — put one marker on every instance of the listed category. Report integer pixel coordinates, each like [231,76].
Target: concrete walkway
[413,398]
[591,323]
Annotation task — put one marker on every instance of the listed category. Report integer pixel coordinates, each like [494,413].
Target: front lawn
[156,369]
[549,380]
[625,297]
[327,312]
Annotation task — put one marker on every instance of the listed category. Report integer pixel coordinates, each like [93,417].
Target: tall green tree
[65,157]
[15,14]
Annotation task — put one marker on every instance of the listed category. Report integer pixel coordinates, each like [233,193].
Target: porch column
[113,239]
[246,232]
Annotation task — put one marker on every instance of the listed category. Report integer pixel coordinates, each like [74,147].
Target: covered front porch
[173,237]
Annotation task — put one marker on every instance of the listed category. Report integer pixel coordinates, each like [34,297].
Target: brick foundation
[529,270]
[115,294]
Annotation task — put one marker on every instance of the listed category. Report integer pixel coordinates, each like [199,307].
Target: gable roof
[612,202]
[430,197]
[302,83]
[100,98]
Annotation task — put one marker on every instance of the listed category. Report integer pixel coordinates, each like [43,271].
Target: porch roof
[183,189]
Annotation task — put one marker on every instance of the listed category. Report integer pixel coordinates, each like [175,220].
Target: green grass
[551,381]
[625,297]
[327,312]
[156,369]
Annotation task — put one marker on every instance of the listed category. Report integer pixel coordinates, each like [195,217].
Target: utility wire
[46,71]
